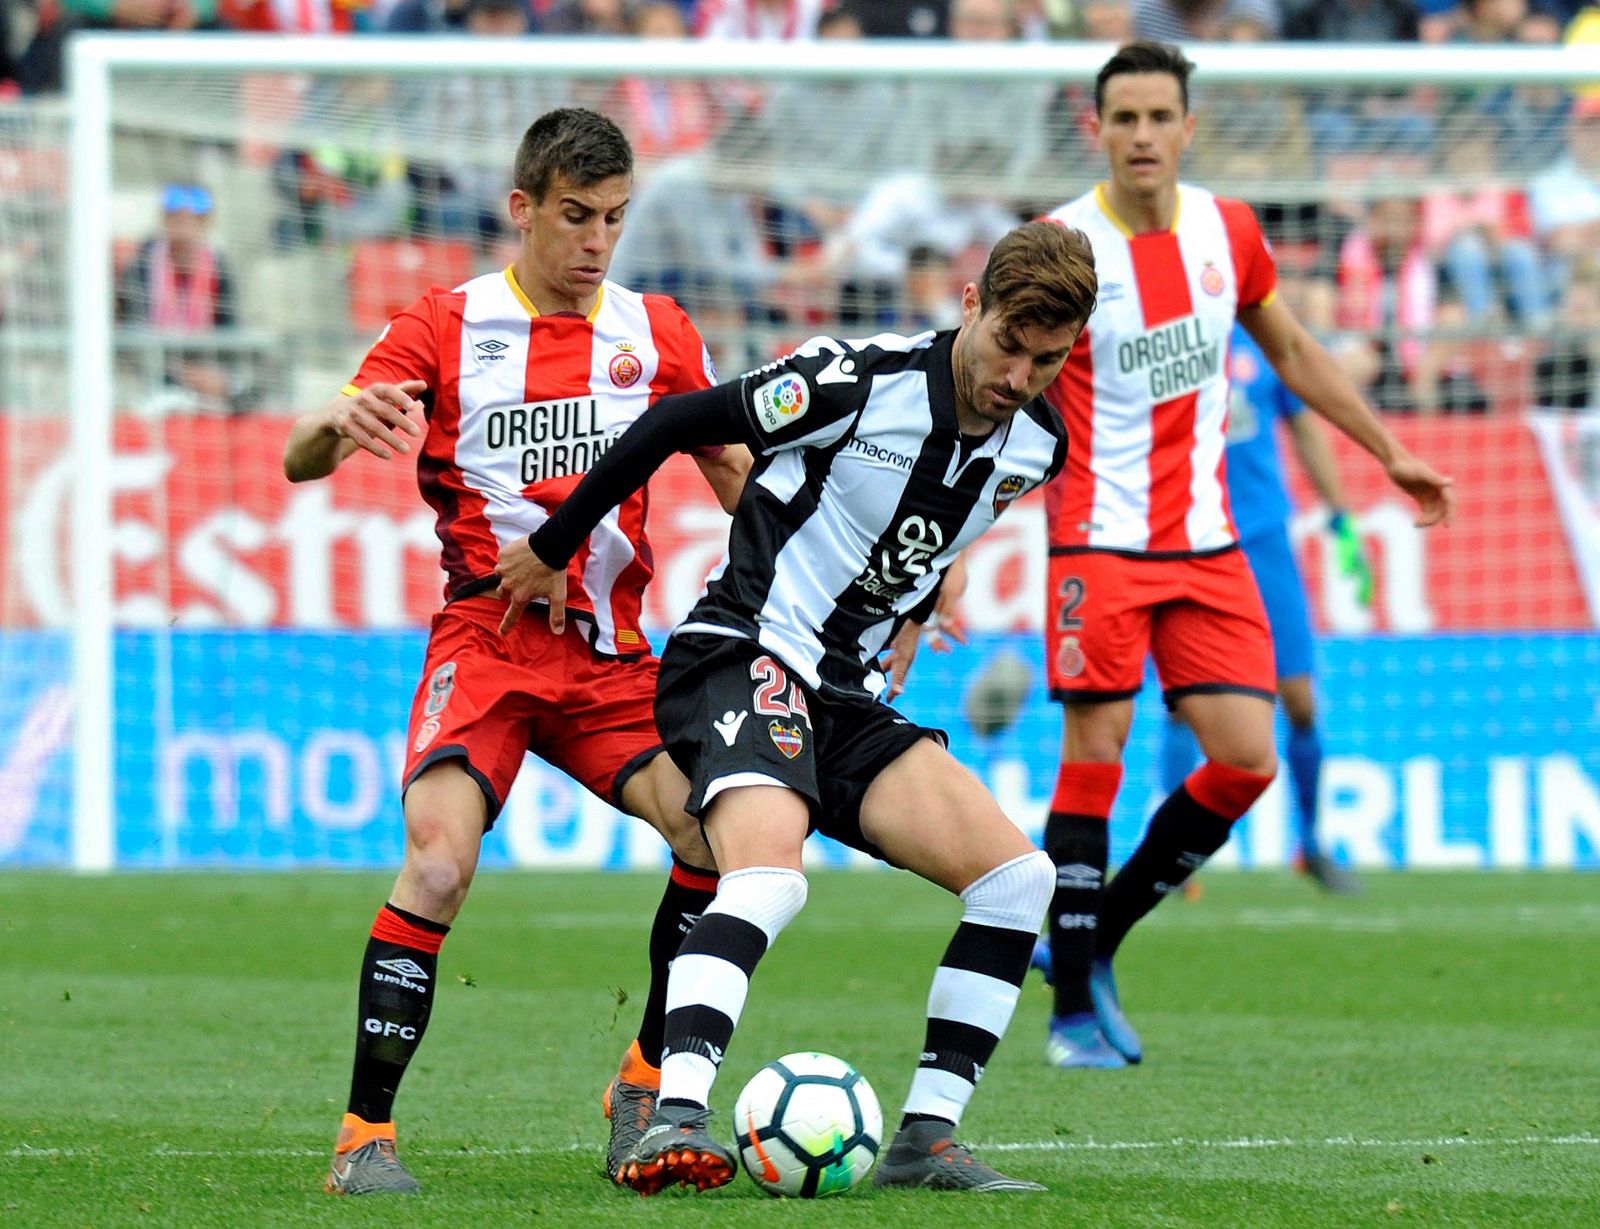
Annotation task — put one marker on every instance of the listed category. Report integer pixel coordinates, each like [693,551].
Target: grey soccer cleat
[924,1154]
[629,1107]
[677,1149]
[364,1162]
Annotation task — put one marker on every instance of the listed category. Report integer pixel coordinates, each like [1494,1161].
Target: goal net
[204,665]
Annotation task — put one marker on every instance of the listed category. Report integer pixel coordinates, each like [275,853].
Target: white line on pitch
[1178,1143]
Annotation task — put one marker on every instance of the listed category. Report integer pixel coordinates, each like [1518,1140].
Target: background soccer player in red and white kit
[522,378]
[1143,553]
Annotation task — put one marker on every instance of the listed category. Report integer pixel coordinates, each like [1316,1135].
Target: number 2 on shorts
[1072,594]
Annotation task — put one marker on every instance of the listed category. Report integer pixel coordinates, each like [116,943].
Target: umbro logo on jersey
[405,967]
[1109,292]
[491,351]
[728,727]
[841,371]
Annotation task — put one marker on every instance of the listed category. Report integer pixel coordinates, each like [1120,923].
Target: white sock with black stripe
[976,985]
[711,975]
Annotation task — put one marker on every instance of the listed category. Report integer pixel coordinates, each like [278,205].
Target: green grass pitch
[174,1050]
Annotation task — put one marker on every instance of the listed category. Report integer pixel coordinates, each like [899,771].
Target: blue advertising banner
[281,748]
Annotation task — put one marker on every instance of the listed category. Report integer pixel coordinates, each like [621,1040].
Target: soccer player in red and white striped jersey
[516,382]
[1143,553]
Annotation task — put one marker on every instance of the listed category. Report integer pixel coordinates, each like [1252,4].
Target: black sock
[397,978]
[689,893]
[1077,844]
[1181,836]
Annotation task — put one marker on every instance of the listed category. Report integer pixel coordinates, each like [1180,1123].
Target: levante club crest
[786,738]
[1010,487]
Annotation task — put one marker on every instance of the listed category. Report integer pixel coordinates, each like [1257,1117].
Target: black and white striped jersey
[862,494]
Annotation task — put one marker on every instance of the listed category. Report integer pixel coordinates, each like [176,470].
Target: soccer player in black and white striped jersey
[877,462]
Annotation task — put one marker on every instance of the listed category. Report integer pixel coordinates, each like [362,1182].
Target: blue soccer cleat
[1076,1041]
[1108,1012]
[1041,959]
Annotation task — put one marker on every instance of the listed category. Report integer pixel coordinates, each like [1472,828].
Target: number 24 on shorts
[771,682]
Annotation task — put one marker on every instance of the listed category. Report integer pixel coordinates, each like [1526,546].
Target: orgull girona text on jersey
[557,438]
[1178,357]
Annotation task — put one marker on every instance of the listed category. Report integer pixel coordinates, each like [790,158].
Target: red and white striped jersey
[1144,393]
[519,407]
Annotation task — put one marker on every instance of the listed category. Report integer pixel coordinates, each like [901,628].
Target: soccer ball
[807,1125]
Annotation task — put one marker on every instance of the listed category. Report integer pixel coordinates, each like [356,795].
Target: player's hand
[1350,556]
[1436,502]
[901,653]
[949,622]
[378,416]
[524,577]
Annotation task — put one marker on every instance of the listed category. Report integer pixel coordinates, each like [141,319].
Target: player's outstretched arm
[376,418]
[1313,376]
[534,567]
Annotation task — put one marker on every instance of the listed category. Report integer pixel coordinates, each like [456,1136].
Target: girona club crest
[1211,280]
[1069,658]
[426,733]
[625,367]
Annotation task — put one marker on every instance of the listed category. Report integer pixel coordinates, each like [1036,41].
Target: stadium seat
[387,275]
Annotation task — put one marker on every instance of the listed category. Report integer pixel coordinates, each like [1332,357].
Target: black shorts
[731,714]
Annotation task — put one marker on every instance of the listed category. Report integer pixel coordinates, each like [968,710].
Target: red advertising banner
[208,532]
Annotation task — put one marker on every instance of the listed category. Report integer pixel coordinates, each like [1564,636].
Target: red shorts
[1201,619]
[487,698]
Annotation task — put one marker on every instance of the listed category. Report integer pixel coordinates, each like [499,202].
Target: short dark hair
[1040,274]
[580,145]
[837,16]
[1144,57]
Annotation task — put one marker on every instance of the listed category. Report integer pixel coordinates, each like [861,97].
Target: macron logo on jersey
[781,401]
[1175,358]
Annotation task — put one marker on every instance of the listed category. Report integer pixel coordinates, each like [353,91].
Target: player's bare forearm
[378,418]
[1316,458]
[725,473]
[1312,375]
[314,448]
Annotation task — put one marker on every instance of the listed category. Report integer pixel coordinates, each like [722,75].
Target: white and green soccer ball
[807,1125]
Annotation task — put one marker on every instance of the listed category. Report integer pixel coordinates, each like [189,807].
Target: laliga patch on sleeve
[781,401]
[705,358]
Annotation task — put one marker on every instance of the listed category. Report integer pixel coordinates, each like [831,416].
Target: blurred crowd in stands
[1463,276]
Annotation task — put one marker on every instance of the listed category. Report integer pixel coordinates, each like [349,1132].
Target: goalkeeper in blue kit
[1261,510]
